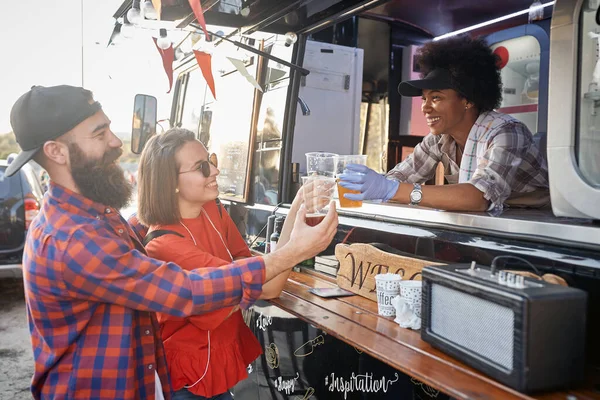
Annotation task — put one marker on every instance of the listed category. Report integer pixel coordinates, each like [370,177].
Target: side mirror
[144,121]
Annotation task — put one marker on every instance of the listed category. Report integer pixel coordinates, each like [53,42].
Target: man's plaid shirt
[91,296]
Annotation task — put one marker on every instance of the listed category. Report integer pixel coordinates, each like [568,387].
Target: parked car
[20,200]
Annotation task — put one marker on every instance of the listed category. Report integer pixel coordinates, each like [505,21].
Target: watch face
[416,196]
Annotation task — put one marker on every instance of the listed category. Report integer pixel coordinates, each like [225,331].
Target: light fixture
[290,39]
[179,54]
[134,15]
[491,22]
[163,41]
[245,11]
[148,10]
[127,30]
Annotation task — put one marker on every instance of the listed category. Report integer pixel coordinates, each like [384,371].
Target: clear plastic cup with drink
[340,165]
[320,163]
[317,192]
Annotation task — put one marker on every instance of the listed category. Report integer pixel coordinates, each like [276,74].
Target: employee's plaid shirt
[500,159]
[91,296]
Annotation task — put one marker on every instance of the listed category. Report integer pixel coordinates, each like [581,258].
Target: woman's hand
[370,184]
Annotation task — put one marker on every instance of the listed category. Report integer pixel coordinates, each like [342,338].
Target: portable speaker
[527,334]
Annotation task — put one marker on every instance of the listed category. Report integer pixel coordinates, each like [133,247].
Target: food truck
[297,76]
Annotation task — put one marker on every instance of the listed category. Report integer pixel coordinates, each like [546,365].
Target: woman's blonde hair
[158,177]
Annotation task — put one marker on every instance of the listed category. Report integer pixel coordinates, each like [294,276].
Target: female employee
[489,158]
[209,353]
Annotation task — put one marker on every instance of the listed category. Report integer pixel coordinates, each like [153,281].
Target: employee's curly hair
[472,65]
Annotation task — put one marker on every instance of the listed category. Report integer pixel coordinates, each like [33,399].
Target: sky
[49,43]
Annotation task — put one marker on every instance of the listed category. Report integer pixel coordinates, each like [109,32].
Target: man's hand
[311,240]
[305,242]
[370,184]
[317,192]
[308,241]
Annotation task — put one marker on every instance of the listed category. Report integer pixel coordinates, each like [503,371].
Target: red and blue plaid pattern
[91,296]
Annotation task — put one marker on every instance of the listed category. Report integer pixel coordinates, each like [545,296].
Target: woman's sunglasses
[204,166]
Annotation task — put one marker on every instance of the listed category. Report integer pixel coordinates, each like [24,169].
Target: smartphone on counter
[330,292]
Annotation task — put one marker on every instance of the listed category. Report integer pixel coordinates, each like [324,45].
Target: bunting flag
[241,67]
[197,9]
[167,56]
[204,61]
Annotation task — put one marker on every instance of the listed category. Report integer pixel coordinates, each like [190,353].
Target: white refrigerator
[332,93]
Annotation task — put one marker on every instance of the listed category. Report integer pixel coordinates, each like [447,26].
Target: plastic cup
[340,165]
[388,287]
[320,163]
[317,192]
[411,293]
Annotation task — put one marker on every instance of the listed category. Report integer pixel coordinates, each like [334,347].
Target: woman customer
[489,158]
[206,354]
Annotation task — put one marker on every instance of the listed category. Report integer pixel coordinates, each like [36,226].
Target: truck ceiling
[430,17]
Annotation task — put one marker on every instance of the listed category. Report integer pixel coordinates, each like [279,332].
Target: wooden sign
[360,262]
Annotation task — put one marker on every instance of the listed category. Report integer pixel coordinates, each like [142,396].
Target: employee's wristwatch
[416,195]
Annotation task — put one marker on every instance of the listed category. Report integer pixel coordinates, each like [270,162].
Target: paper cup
[411,293]
[388,287]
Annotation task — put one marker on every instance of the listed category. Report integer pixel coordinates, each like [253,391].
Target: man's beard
[102,181]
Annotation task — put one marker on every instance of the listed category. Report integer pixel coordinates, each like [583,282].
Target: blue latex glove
[372,186]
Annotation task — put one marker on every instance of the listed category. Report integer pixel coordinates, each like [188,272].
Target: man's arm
[305,242]
[184,253]
[99,266]
[273,288]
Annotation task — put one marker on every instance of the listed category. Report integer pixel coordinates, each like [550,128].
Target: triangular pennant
[204,61]
[241,67]
[167,56]
[197,9]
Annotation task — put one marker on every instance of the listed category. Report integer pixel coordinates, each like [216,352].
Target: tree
[8,145]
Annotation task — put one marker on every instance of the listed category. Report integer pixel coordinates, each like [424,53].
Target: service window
[197,97]
[224,123]
[272,104]
[588,107]
[520,72]
[243,124]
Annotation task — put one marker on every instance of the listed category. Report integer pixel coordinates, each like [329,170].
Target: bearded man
[91,291]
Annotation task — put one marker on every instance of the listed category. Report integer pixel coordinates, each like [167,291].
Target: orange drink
[344,202]
[340,168]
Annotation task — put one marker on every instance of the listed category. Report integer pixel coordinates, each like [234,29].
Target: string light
[134,15]
[148,10]
[163,41]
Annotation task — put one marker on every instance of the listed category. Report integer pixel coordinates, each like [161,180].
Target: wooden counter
[355,321]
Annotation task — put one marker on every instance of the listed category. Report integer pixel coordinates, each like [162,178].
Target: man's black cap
[45,113]
[438,79]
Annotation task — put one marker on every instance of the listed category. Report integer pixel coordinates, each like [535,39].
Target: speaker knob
[520,282]
[502,277]
[510,279]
